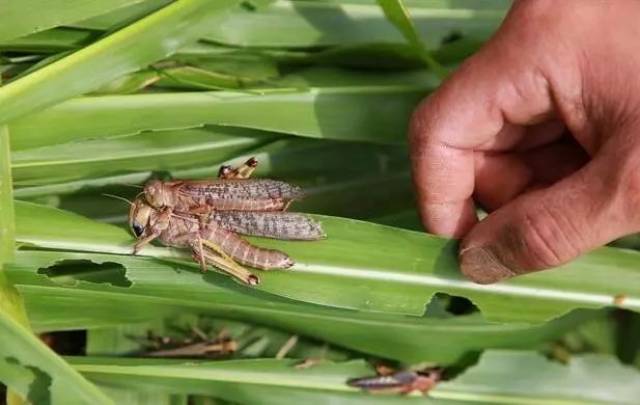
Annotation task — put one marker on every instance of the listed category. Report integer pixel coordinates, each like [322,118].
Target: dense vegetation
[101,95]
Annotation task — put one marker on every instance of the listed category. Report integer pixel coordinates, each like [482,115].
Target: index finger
[472,110]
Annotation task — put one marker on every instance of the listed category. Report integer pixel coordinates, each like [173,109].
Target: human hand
[542,128]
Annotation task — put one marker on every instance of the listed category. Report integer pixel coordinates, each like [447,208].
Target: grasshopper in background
[198,345]
[400,382]
[208,216]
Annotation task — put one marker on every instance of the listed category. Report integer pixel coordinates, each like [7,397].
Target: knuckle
[548,239]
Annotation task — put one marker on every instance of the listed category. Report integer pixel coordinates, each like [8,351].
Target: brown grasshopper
[213,236]
[400,382]
[198,345]
[232,191]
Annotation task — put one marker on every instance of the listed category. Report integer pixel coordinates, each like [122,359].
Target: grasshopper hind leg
[207,253]
[244,171]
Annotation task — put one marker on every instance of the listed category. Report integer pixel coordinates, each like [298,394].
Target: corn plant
[99,96]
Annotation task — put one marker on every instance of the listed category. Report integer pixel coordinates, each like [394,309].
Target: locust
[399,382]
[213,233]
[196,346]
[233,190]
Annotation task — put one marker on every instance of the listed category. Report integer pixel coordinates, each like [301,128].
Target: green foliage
[124,51]
[343,271]
[20,18]
[7,223]
[37,373]
[101,96]
[269,381]
[397,13]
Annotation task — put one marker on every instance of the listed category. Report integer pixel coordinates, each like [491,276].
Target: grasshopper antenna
[117,197]
[131,185]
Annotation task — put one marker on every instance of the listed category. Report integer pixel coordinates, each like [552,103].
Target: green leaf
[37,373]
[28,16]
[11,304]
[357,169]
[304,23]
[252,341]
[7,224]
[150,151]
[152,287]
[122,16]
[131,83]
[398,15]
[376,114]
[510,377]
[344,271]
[500,377]
[60,39]
[263,381]
[152,38]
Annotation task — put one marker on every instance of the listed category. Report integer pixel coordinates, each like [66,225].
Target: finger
[520,137]
[493,88]
[501,177]
[553,162]
[549,227]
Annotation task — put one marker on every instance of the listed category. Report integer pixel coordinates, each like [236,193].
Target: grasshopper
[400,382]
[232,191]
[212,235]
[198,345]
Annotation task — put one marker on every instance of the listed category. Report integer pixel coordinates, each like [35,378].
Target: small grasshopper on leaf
[401,382]
[197,346]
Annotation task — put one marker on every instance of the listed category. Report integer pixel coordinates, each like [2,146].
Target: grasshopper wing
[276,225]
[398,380]
[241,195]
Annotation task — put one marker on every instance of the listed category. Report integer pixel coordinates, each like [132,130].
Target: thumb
[546,228]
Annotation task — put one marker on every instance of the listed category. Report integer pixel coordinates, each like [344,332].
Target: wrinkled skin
[541,128]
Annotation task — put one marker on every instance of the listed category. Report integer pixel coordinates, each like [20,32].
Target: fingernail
[481,265]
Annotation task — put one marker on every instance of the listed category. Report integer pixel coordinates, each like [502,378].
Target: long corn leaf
[500,377]
[150,151]
[377,268]
[304,23]
[376,114]
[125,289]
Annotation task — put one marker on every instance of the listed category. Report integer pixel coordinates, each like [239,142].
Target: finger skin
[501,177]
[551,226]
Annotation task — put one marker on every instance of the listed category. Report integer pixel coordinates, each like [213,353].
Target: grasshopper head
[140,216]
[158,194]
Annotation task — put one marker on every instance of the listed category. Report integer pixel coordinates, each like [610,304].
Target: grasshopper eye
[137,230]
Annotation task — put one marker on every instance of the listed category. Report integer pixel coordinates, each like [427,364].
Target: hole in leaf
[38,391]
[444,305]
[66,343]
[70,272]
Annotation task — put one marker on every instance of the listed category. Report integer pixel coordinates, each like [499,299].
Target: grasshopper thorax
[158,194]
